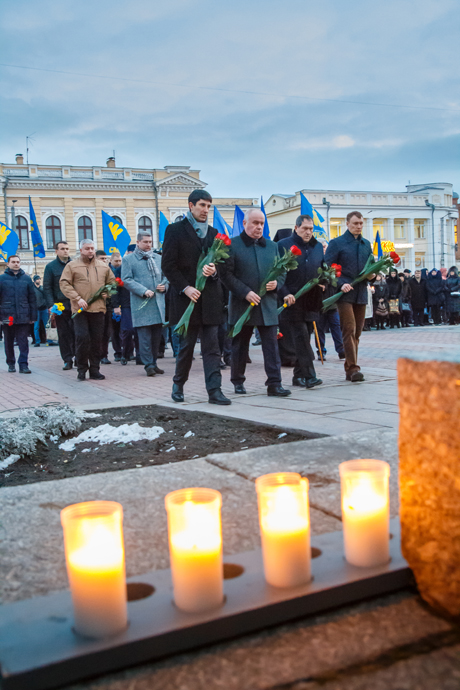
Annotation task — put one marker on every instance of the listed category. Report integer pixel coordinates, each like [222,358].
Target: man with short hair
[418,297]
[18,309]
[141,275]
[54,295]
[351,251]
[251,258]
[184,244]
[80,280]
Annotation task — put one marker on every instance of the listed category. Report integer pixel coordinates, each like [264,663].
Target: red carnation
[279,335]
[395,257]
[119,282]
[226,240]
[220,236]
[296,251]
[338,269]
[10,321]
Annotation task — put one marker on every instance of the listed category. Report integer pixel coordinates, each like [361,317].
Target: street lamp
[13,215]
[432,206]
[327,204]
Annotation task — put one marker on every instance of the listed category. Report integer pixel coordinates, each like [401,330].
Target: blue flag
[163,225]
[37,242]
[9,241]
[266,228]
[377,246]
[238,222]
[306,209]
[116,237]
[220,224]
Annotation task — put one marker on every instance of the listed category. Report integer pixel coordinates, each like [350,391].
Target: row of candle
[93,537]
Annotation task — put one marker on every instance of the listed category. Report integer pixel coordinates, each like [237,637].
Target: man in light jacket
[142,276]
[80,280]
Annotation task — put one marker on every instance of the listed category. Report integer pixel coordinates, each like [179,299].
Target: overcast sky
[262,97]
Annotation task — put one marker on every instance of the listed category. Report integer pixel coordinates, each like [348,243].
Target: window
[22,229]
[336,225]
[53,231]
[145,224]
[85,228]
[378,225]
[420,260]
[118,220]
[400,229]
[419,228]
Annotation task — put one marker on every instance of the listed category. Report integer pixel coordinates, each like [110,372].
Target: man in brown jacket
[79,281]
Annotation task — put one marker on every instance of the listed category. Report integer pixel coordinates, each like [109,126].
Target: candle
[93,539]
[285,528]
[365,511]
[195,548]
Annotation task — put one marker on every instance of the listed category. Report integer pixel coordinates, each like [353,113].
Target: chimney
[19,159]
[111,162]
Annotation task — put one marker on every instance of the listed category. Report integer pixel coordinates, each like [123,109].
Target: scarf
[140,254]
[201,229]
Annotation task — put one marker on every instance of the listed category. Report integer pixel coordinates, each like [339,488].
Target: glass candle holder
[94,551]
[284,518]
[366,511]
[195,548]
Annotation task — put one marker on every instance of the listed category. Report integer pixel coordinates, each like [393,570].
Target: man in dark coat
[302,312]
[351,251]
[418,297]
[251,257]
[42,311]
[54,295]
[18,309]
[183,246]
[435,294]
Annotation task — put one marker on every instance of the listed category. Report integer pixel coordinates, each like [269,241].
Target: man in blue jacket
[351,251]
[18,309]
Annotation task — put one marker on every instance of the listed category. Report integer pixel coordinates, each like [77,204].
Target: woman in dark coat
[394,292]
[380,301]
[453,301]
[405,300]
[435,294]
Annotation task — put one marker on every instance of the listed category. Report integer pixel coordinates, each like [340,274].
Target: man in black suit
[251,257]
[183,246]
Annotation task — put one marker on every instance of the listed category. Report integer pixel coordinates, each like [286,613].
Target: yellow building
[68,201]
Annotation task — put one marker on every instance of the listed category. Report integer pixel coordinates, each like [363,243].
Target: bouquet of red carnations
[329,275]
[282,264]
[216,254]
[386,262]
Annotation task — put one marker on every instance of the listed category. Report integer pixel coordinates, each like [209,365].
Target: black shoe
[133,357]
[311,383]
[157,370]
[177,393]
[324,358]
[124,361]
[248,360]
[160,355]
[36,344]
[24,370]
[11,368]
[356,376]
[138,361]
[256,343]
[240,389]
[81,376]
[97,377]
[222,365]
[341,355]
[105,360]
[218,398]
[278,391]
[67,366]
[298,381]
[150,370]
[117,358]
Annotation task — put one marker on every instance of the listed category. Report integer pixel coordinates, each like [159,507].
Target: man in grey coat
[142,276]
[251,257]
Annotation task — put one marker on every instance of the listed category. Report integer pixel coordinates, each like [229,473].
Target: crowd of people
[136,301]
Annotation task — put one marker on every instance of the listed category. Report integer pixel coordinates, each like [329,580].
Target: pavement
[391,642]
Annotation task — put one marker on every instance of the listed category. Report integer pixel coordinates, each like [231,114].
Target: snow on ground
[106,433]
[8,461]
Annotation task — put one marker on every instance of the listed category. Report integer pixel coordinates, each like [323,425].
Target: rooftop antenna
[29,138]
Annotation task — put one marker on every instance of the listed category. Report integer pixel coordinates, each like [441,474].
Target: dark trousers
[330,318]
[116,338]
[351,322]
[418,316]
[20,333]
[240,350]
[128,334]
[211,356]
[149,342]
[42,318]
[286,343]
[405,318]
[225,343]
[66,335]
[436,314]
[111,331]
[304,367]
[89,330]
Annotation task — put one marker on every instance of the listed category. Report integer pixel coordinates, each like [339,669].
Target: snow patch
[106,433]
[91,415]
[188,434]
[170,449]
[8,461]
[281,435]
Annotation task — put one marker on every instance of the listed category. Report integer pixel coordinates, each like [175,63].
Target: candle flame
[363,498]
[100,549]
[201,531]
[285,511]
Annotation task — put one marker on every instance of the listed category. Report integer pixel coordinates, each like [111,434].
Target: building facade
[421,221]
[68,201]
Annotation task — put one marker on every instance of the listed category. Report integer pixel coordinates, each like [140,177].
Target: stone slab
[369,415]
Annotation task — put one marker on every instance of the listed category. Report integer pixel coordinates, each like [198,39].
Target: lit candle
[365,511]
[93,538]
[285,528]
[195,548]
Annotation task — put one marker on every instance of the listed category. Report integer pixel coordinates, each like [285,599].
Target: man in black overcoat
[251,257]
[183,246]
[54,295]
[302,312]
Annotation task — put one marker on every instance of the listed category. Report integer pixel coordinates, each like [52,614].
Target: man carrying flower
[351,251]
[300,314]
[184,246]
[251,258]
